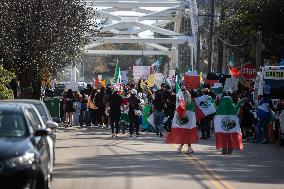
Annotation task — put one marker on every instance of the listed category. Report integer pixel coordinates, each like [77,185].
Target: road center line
[215,179]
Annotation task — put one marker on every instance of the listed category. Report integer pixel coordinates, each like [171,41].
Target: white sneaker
[179,149]
[190,151]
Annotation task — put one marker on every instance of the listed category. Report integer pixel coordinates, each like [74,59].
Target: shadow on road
[256,164]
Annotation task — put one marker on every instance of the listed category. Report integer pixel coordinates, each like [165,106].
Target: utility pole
[198,50]
[258,50]
[220,44]
[211,25]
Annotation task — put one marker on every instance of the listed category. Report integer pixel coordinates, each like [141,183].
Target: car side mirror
[51,124]
[42,132]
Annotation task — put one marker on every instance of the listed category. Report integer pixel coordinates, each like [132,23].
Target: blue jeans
[76,117]
[158,121]
[83,117]
[262,125]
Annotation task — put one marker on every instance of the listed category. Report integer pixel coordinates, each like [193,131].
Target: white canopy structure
[128,19]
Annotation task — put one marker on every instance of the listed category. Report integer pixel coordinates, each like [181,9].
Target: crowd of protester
[129,107]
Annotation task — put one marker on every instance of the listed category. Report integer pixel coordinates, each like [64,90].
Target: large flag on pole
[183,129]
[205,106]
[227,126]
[232,66]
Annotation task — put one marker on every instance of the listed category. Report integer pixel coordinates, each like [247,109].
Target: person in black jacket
[100,103]
[70,99]
[133,104]
[158,108]
[115,102]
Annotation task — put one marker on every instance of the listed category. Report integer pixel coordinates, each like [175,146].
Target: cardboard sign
[141,72]
[191,82]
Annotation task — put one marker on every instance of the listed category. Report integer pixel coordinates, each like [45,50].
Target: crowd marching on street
[174,113]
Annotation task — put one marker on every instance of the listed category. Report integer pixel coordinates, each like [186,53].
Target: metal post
[210,48]
[220,44]
[198,51]
[258,50]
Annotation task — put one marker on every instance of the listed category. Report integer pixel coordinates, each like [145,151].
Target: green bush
[5,78]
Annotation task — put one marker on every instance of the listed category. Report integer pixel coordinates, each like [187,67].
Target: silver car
[44,114]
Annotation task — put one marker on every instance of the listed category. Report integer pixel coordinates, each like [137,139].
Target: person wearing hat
[133,105]
[115,103]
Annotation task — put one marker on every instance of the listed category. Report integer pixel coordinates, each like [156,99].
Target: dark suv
[24,150]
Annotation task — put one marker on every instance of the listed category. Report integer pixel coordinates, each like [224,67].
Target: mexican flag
[227,126]
[232,67]
[205,106]
[184,129]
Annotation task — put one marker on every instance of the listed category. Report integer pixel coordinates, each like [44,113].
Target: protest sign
[141,72]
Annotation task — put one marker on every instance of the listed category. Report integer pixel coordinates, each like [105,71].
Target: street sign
[249,71]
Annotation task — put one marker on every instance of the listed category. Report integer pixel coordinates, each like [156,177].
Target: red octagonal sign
[249,71]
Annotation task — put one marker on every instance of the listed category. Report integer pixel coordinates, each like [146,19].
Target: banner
[141,72]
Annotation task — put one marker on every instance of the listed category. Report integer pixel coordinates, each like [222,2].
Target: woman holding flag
[183,129]
[227,126]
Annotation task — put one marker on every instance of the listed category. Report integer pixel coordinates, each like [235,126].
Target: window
[12,124]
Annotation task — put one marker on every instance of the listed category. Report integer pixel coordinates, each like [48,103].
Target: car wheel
[42,183]
[280,139]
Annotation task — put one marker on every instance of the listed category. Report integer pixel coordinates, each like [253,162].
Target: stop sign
[249,71]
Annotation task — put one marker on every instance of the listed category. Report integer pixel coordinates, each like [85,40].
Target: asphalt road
[88,158]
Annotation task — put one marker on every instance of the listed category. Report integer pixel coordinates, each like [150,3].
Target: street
[87,158]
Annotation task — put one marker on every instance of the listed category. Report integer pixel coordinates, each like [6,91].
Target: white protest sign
[141,72]
[231,83]
[123,75]
[100,77]
[192,73]
[172,74]
[159,79]
[72,85]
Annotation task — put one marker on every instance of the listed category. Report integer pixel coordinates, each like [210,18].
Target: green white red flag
[184,130]
[227,126]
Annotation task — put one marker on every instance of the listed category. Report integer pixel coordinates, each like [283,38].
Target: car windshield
[12,124]
[42,112]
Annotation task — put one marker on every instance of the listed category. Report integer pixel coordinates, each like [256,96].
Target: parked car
[45,115]
[24,149]
[281,129]
[40,124]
